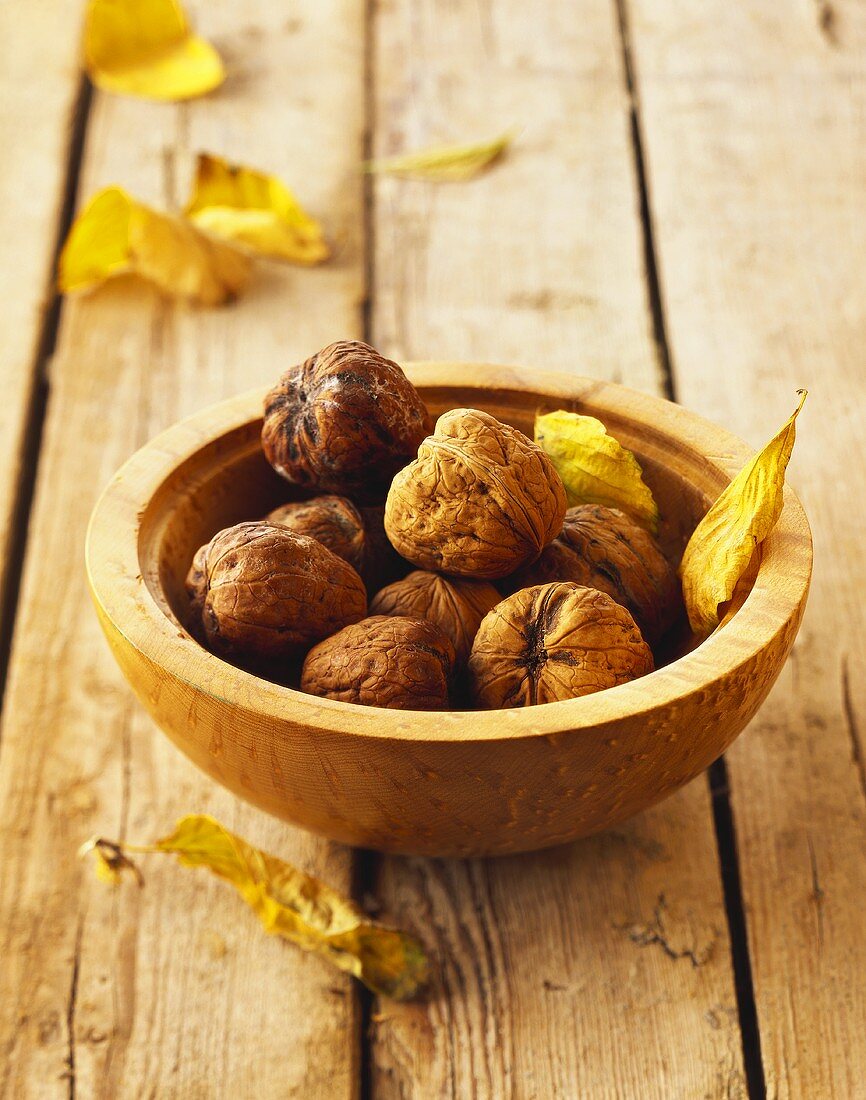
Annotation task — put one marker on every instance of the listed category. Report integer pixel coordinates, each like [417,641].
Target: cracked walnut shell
[480,500]
[344,421]
[603,548]
[333,520]
[269,593]
[456,604]
[383,661]
[553,642]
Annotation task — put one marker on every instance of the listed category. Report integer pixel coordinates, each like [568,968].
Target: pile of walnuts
[430,565]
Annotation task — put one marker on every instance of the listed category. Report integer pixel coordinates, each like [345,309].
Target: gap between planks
[717,775]
[35,415]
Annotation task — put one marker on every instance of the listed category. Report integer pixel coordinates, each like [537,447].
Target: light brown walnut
[553,642]
[343,422]
[603,548]
[456,604]
[269,593]
[333,520]
[383,661]
[480,500]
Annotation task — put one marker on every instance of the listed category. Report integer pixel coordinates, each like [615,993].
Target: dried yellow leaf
[594,467]
[722,544]
[291,904]
[116,235]
[254,209]
[443,162]
[146,48]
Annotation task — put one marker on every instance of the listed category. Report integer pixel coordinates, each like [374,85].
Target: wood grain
[760,217]
[174,991]
[540,261]
[37,132]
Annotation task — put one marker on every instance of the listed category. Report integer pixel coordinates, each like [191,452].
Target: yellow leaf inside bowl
[116,235]
[254,209]
[722,544]
[146,48]
[595,468]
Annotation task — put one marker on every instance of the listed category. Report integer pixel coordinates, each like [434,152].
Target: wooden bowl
[458,783]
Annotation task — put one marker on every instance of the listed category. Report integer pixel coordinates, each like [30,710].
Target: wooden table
[684,211]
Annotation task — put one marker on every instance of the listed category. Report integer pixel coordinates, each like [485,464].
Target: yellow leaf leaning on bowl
[254,209]
[443,162]
[116,235]
[722,544]
[594,467]
[288,902]
[146,48]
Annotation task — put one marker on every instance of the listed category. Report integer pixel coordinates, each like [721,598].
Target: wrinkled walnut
[480,500]
[333,520]
[270,593]
[552,642]
[603,548]
[455,604]
[344,421]
[196,589]
[383,661]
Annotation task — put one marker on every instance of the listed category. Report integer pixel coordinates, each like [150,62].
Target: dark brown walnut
[270,593]
[603,548]
[456,604]
[344,421]
[553,642]
[333,520]
[196,588]
[383,564]
[383,661]
[480,500]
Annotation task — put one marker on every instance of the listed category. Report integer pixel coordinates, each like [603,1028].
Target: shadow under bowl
[445,784]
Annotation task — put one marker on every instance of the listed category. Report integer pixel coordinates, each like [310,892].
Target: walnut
[456,604]
[383,661]
[344,421]
[603,548]
[333,520]
[480,500]
[196,589]
[554,641]
[271,593]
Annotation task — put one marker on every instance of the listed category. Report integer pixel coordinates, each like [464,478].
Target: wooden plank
[36,120]
[755,124]
[599,969]
[174,991]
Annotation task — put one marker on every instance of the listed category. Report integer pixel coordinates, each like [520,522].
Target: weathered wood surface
[601,969]
[541,262]
[755,123]
[37,125]
[174,991]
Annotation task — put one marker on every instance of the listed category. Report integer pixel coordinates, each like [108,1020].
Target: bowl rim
[115,574]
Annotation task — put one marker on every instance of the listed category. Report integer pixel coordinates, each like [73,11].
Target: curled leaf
[594,467]
[294,905]
[254,209]
[111,860]
[116,235]
[443,162]
[146,48]
[722,544]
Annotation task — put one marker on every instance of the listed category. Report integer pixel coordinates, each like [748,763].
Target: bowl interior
[227,480]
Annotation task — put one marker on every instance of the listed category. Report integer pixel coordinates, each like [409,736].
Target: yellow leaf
[594,467]
[256,210]
[443,162]
[111,860]
[116,235]
[294,905]
[146,48]
[722,544]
